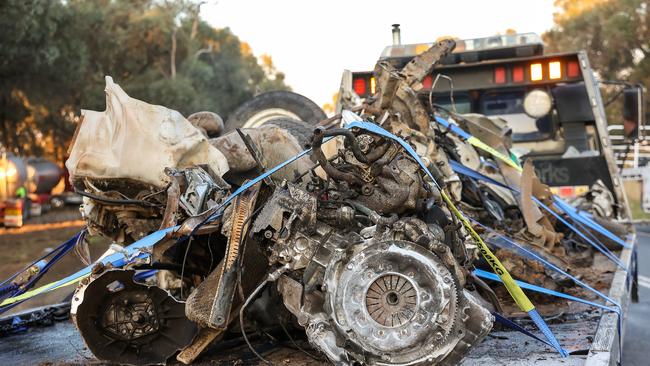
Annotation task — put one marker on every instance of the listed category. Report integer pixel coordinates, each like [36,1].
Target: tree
[615,34]
[54,56]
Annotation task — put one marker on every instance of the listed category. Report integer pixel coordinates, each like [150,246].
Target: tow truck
[552,103]
[556,113]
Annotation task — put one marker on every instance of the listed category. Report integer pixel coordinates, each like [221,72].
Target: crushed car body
[372,244]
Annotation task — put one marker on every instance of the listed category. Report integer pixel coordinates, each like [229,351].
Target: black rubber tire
[302,131]
[299,105]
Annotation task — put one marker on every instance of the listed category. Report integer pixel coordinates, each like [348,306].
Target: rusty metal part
[205,337]
[209,123]
[173,195]
[397,90]
[536,222]
[422,65]
[331,171]
[231,264]
[275,144]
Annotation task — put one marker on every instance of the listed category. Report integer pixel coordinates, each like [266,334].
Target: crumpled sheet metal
[135,140]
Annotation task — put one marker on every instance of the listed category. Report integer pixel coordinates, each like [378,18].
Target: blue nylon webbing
[568,209]
[115,259]
[533,255]
[493,277]
[461,169]
[453,127]
[578,216]
[617,309]
[509,323]
[541,324]
[55,250]
[59,252]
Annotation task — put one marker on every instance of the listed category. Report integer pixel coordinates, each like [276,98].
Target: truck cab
[551,103]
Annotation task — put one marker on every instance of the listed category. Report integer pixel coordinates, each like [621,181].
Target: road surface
[636,349]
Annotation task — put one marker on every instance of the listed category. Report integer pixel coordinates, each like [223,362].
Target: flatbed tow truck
[554,107]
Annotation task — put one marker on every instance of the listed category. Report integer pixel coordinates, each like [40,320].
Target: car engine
[368,279]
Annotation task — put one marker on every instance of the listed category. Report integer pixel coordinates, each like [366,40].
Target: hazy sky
[313,41]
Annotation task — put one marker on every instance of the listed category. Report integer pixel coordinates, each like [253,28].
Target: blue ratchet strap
[603,249]
[616,310]
[39,262]
[534,315]
[461,169]
[453,127]
[143,275]
[533,255]
[568,209]
[44,266]
[115,259]
[509,323]
[491,276]
[515,247]
[585,220]
[476,175]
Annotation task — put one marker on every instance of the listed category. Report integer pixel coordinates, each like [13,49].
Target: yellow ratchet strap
[45,288]
[513,288]
[481,145]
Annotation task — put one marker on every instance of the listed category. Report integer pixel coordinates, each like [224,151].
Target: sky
[312,42]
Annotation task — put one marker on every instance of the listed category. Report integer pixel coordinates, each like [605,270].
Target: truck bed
[591,341]
[60,344]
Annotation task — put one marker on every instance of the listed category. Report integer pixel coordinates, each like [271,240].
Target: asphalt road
[636,347]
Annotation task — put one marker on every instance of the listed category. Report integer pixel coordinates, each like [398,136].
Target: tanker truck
[25,187]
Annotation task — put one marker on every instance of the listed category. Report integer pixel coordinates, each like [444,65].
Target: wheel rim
[266,115]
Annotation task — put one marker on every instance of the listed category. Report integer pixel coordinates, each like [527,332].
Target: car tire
[302,131]
[271,105]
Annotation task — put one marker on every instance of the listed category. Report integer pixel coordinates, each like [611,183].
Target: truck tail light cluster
[359,86]
[537,71]
[364,85]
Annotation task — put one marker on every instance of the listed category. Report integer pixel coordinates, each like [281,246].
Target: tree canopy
[54,55]
[614,33]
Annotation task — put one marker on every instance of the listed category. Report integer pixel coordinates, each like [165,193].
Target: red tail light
[518,74]
[573,69]
[359,86]
[427,82]
[500,75]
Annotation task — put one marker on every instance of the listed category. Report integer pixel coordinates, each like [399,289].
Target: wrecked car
[380,235]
